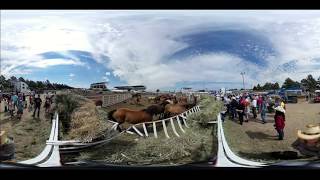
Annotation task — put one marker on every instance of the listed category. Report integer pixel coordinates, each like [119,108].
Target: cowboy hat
[312,132]
[280,108]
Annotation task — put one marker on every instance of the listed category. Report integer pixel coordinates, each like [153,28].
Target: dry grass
[85,123]
[29,134]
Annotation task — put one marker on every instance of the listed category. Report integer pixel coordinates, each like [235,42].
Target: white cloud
[105,78]
[71,75]
[138,43]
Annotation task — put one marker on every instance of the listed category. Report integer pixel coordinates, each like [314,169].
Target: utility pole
[243,73]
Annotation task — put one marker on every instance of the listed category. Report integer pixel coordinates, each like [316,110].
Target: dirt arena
[255,140]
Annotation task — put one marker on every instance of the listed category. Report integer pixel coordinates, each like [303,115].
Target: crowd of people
[16,103]
[247,106]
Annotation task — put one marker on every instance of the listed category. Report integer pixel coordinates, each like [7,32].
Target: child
[11,108]
[5,104]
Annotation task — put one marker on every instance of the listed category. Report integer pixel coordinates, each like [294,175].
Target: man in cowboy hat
[310,136]
[279,119]
[309,140]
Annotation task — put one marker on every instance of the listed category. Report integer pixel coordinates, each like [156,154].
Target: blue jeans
[263,116]
[280,134]
[233,112]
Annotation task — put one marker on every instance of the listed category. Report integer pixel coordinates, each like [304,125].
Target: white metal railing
[178,118]
[225,157]
[50,155]
[74,145]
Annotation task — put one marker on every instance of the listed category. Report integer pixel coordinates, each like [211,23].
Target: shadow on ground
[275,155]
[259,135]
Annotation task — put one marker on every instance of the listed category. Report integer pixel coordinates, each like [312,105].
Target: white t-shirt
[254,103]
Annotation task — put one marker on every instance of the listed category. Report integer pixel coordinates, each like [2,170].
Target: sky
[161,49]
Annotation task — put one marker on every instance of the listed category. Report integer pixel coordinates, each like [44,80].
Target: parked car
[317,96]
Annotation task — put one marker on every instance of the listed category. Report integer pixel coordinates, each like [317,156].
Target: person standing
[31,102]
[282,104]
[14,99]
[5,102]
[279,119]
[263,110]
[47,104]
[20,108]
[233,107]
[11,107]
[240,109]
[24,101]
[37,105]
[247,108]
[254,107]
[259,103]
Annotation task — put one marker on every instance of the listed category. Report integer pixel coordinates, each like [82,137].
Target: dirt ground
[255,140]
[29,134]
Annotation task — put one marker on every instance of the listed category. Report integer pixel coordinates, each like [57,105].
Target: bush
[65,104]
[210,108]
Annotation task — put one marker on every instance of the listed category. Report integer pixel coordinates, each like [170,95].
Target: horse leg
[119,128]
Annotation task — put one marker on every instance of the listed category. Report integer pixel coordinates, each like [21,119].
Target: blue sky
[161,49]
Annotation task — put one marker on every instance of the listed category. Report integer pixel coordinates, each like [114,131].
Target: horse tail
[110,115]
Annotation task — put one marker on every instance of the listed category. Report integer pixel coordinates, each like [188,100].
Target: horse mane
[110,115]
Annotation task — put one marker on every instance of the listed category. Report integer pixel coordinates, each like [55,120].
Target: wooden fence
[111,99]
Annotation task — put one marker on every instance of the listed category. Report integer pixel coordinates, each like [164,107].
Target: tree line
[7,84]
[309,84]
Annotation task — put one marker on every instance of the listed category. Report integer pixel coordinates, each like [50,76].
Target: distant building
[131,88]
[186,89]
[99,86]
[21,87]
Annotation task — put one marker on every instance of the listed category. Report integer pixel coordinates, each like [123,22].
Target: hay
[210,108]
[79,117]
[86,124]
[197,144]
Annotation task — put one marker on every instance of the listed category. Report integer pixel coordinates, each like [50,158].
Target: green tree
[289,83]
[259,87]
[21,79]
[309,83]
[276,86]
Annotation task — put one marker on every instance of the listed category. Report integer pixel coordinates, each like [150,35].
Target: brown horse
[174,109]
[123,115]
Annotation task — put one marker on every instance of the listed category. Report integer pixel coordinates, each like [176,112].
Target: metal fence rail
[225,157]
[50,156]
